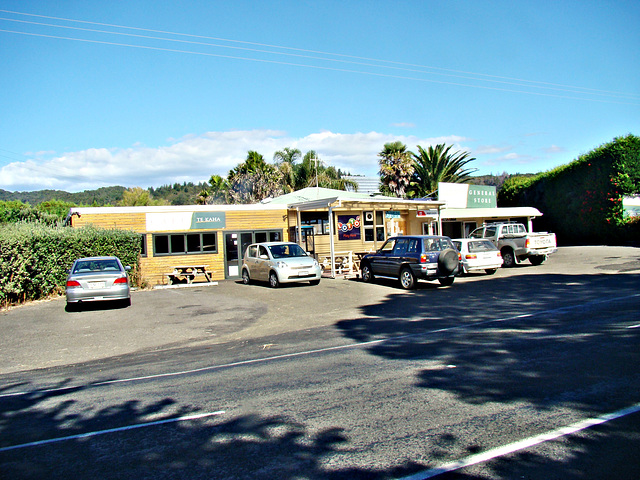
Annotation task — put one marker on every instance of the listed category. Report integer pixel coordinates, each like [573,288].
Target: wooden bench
[188,273]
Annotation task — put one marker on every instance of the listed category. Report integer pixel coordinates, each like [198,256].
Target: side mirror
[264,257]
[127,268]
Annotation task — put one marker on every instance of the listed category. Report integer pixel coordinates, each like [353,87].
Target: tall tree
[438,164]
[312,172]
[287,155]
[396,168]
[254,180]
[216,192]
[137,196]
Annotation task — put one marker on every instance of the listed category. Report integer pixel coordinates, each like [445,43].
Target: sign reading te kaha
[208,220]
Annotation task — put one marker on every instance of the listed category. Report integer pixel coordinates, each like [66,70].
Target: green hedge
[582,201]
[34,258]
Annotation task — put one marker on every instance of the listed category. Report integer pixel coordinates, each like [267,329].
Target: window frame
[173,241]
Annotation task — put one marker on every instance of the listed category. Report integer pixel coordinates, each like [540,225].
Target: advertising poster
[348,227]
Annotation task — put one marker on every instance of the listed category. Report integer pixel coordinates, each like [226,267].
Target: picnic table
[344,262]
[188,273]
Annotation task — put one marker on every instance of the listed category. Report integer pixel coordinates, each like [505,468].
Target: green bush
[34,258]
[582,201]
[15,211]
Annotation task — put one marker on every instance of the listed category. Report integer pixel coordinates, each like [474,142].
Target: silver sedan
[279,262]
[97,278]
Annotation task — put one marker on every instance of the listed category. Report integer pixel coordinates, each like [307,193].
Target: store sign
[392,214]
[462,195]
[348,227]
[208,220]
[427,213]
[481,196]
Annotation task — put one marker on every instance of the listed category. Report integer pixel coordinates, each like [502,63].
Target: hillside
[176,194]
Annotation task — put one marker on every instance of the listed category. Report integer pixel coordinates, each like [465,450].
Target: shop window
[143,245]
[368,224]
[318,220]
[185,243]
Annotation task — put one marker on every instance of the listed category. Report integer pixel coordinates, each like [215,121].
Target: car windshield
[286,251]
[85,266]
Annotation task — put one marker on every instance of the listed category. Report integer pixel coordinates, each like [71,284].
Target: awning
[489,213]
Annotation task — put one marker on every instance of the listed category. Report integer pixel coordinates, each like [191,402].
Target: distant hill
[176,194]
[99,197]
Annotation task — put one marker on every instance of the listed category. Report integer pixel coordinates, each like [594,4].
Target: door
[234,246]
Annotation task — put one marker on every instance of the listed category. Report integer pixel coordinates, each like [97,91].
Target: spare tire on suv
[448,261]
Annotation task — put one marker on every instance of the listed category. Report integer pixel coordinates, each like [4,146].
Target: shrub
[34,258]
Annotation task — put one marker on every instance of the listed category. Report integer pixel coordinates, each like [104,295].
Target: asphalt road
[533,372]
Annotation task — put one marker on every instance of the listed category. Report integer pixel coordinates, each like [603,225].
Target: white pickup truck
[516,244]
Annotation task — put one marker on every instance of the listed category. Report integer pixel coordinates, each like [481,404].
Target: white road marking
[111,430]
[634,326]
[326,349]
[522,444]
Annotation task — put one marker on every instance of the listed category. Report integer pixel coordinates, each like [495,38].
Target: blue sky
[147,93]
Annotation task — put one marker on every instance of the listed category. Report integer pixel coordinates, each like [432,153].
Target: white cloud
[194,158]
[490,149]
[554,149]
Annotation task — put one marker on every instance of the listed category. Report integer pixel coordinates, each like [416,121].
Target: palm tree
[287,155]
[285,160]
[312,172]
[437,164]
[254,180]
[396,168]
[217,192]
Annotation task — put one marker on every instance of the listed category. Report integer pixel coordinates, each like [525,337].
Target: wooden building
[335,226]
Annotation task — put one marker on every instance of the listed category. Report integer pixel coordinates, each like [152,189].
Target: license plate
[93,285]
[303,273]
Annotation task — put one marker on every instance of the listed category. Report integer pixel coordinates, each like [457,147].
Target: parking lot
[370,381]
[42,334]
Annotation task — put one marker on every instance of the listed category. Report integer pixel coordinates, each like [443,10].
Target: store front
[212,237]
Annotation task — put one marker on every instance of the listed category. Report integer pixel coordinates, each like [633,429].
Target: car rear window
[481,246]
[437,244]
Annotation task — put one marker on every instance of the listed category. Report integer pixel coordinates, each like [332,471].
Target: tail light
[527,243]
[499,255]
[73,283]
[120,280]
[471,257]
[423,258]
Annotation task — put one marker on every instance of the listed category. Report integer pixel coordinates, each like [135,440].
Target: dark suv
[409,258]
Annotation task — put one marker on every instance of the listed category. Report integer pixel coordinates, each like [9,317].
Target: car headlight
[315,263]
[281,264]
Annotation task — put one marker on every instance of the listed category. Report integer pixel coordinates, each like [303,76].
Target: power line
[343,70]
[400,65]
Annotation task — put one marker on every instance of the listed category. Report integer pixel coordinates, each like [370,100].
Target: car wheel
[245,277]
[508,258]
[490,271]
[407,279]
[447,281]
[273,280]
[537,259]
[72,307]
[367,274]
[314,282]
[448,261]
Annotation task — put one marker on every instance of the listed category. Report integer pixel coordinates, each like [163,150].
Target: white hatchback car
[279,262]
[478,254]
